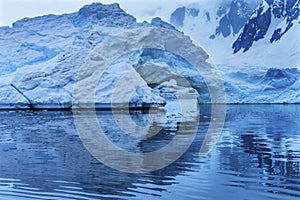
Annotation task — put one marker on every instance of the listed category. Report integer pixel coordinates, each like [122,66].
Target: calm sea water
[256,157]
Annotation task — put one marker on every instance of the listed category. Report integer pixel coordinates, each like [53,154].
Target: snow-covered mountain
[272,16]
[227,17]
[244,33]
[255,44]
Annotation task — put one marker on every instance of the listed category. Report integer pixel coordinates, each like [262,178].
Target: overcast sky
[12,10]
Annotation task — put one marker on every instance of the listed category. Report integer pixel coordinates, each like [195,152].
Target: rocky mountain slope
[261,33]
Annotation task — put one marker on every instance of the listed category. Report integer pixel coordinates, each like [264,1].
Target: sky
[13,10]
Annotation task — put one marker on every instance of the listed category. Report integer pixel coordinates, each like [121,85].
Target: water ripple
[257,157]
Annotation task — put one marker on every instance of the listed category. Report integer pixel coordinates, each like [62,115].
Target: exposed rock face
[286,11]
[178,17]
[233,20]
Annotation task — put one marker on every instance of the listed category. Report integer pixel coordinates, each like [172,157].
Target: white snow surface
[284,53]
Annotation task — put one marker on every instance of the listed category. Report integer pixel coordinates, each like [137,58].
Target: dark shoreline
[109,108]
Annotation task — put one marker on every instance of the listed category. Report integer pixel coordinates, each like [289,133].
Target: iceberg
[43,56]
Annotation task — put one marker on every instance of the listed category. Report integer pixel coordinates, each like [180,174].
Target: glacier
[261,85]
[40,58]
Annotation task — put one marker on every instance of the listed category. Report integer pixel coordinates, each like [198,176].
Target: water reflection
[261,145]
[257,157]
